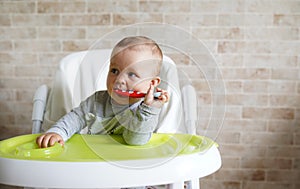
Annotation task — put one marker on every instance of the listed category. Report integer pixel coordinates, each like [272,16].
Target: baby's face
[131,70]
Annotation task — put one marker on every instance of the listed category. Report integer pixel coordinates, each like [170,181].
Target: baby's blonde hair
[138,43]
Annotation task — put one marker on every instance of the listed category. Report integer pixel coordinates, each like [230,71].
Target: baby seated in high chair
[128,107]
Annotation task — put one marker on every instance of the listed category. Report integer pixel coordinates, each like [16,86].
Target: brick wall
[256,45]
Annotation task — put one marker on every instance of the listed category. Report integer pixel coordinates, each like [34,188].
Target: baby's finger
[149,96]
[61,142]
[39,140]
[150,91]
[52,140]
[164,98]
[158,89]
[167,96]
[45,142]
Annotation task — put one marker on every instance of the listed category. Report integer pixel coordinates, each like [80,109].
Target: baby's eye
[114,71]
[131,74]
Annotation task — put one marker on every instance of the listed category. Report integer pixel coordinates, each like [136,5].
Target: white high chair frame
[173,173]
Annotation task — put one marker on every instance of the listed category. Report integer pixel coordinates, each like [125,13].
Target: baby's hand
[49,139]
[157,102]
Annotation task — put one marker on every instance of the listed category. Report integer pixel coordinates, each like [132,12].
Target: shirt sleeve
[74,121]
[139,124]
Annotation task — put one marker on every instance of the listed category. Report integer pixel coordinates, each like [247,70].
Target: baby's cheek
[142,86]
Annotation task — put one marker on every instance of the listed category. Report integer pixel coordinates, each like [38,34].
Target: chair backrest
[80,74]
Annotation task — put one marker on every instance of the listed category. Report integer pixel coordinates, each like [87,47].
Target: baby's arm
[135,138]
[49,139]
[139,123]
[62,130]
[67,126]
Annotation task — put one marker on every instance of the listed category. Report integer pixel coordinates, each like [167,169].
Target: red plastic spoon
[134,94]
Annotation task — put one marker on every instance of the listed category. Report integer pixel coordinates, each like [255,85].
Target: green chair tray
[90,148]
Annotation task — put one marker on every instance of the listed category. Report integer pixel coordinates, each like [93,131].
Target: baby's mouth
[133,93]
[129,93]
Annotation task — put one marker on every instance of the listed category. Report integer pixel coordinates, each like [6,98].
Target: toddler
[134,66]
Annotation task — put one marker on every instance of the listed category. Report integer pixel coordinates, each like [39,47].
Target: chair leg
[194,184]
[176,185]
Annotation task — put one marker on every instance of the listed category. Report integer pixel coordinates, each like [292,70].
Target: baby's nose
[121,80]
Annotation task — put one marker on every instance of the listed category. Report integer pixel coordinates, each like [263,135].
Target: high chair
[79,75]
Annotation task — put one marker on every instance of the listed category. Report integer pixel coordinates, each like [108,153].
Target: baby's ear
[155,81]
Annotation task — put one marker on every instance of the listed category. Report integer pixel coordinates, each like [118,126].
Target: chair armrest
[39,106]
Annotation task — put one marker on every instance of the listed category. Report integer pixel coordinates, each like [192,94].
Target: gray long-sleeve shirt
[136,122]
